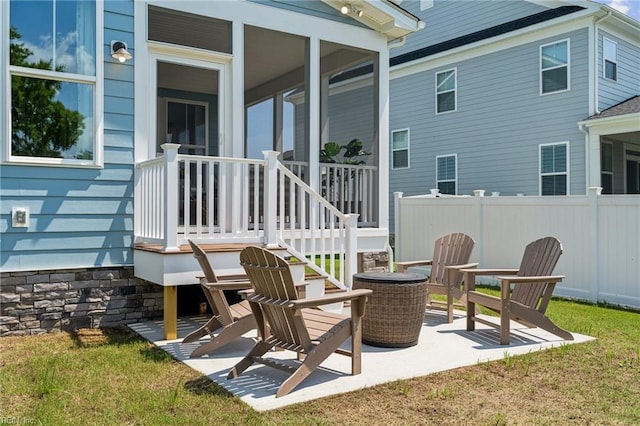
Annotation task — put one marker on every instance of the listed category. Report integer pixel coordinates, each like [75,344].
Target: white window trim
[98,89]
[408,149]
[604,60]
[455,90]
[455,179]
[568,66]
[566,172]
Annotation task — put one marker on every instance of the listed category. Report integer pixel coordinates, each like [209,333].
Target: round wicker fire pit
[395,310]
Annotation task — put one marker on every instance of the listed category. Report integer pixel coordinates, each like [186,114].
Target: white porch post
[381,79]
[351,248]
[270,198]
[313,86]
[171,198]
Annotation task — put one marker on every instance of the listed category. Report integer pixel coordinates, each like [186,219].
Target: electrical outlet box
[20,217]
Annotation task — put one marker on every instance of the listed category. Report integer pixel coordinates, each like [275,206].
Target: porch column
[278,118]
[381,136]
[171,199]
[270,198]
[312,103]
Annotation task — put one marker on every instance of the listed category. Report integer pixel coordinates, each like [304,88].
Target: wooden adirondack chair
[234,320]
[287,322]
[527,302]
[450,255]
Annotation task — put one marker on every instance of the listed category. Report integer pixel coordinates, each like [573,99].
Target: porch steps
[225,260]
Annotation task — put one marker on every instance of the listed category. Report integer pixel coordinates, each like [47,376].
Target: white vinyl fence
[600,235]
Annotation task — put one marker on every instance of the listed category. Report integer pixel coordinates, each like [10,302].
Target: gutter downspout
[585,130]
[397,42]
[596,56]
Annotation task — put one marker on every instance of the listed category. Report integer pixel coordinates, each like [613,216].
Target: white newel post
[479,196]
[270,198]
[170,196]
[351,248]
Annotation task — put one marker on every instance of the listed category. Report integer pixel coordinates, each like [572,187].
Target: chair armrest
[330,298]
[462,267]
[230,285]
[490,271]
[531,279]
[402,266]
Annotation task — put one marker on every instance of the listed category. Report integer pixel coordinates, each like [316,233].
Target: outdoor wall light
[348,9]
[119,51]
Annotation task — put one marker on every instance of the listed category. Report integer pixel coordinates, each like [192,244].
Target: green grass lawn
[107,377]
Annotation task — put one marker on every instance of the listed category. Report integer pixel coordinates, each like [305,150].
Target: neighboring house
[516,97]
[108,166]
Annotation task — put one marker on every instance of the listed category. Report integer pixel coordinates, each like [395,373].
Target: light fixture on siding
[119,51]
[347,9]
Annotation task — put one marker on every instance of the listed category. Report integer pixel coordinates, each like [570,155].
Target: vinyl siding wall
[611,93]
[449,19]
[80,217]
[501,120]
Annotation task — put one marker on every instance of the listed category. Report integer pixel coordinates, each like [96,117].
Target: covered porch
[613,148]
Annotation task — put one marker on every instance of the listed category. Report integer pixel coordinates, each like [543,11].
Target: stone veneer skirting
[51,301]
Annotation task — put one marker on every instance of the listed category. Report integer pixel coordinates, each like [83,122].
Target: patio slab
[441,346]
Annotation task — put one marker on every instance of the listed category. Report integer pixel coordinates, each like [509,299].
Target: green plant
[330,152]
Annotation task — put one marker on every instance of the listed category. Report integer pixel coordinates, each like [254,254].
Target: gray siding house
[516,98]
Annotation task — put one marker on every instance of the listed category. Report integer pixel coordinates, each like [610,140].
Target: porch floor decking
[441,347]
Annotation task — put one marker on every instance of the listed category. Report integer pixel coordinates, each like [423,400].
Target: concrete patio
[442,346]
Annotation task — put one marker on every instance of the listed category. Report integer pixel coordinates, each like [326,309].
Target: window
[553,169]
[446,91]
[554,67]
[400,149]
[610,57]
[53,50]
[187,125]
[447,173]
[606,168]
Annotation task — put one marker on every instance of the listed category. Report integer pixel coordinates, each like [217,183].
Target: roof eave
[383,16]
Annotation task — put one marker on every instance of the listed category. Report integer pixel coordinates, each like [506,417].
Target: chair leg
[312,361]
[227,335]
[258,350]
[538,319]
[206,330]
[471,309]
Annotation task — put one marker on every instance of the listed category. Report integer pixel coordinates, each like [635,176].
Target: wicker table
[395,310]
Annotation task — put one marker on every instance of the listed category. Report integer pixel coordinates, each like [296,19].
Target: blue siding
[501,120]
[449,19]
[610,92]
[80,217]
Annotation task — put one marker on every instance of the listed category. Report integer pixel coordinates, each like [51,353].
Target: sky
[629,7]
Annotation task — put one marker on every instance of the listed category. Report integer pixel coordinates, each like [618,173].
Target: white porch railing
[349,188]
[218,200]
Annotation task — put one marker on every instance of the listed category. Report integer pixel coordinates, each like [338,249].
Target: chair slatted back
[271,279]
[216,298]
[451,249]
[539,259]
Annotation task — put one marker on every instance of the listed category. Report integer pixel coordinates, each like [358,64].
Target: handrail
[329,237]
[214,199]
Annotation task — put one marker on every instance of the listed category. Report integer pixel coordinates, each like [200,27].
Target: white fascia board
[530,34]
[612,125]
